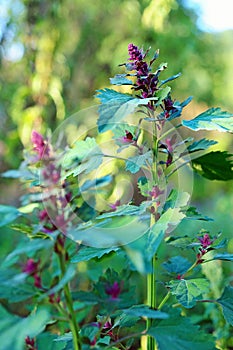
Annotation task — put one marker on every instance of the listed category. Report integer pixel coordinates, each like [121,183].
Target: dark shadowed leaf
[145,311]
[214,166]
[177,265]
[14,329]
[177,333]
[226,301]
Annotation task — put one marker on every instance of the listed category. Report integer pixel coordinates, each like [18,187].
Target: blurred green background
[55,54]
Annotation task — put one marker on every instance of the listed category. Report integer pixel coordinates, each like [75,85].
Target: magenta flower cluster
[147,82]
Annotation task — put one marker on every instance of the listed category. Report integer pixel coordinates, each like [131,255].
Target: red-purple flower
[31,267]
[30,343]
[40,145]
[113,290]
[205,241]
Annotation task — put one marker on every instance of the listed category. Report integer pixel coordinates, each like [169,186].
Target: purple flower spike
[205,241]
[40,145]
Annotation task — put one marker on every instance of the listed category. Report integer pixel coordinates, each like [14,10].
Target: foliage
[64,234]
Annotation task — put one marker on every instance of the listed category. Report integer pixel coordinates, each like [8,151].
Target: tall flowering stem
[147,84]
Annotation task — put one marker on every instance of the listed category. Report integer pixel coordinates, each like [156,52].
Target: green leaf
[110,232]
[49,341]
[193,214]
[120,79]
[177,333]
[8,214]
[177,265]
[14,329]
[28,247]
[145,311]
[13,286]
[202,144]
[223,256]
[188,292]
[162,82]
[181,242]
[68,276]
[176,199]
[214,166]
[88,253]
[162,94]
[172,217]
[115,107]
[226,301]
[134,164]
[83,157]
[212,119]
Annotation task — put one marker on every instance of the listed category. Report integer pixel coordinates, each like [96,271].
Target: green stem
[69,302]
[165,299]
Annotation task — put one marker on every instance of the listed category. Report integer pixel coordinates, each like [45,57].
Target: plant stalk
[69,302]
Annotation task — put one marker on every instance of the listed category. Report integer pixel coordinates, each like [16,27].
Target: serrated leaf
[181,242]
[68,276]
[177,265]
[120,79]
[223,256]
[202,144]
[49,341]
[8,214]
[110,232]
[193,214]
[177,333]
[188,292]
[134,164]
[13,286]
[145,311]
[28,247]
[83,157]
[14,329]
[115,107]
[214,166]
[88,253]
[226,301]
[212,119]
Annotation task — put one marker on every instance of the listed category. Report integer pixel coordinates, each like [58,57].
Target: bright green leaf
[8,214]
[134,164]
[115,107]
[202,144]
[212,119]
[87,253]
[188,292]
[120,79]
